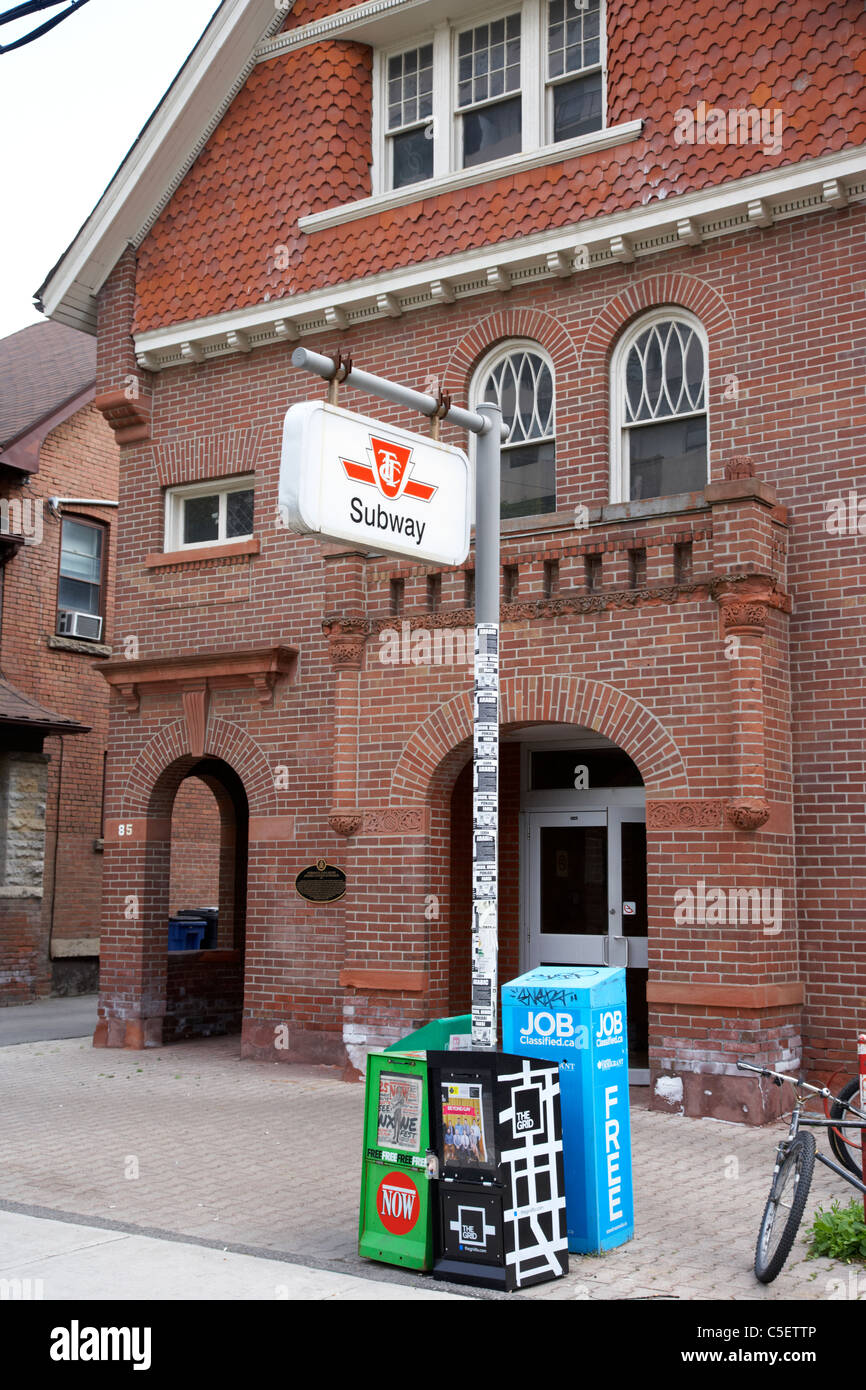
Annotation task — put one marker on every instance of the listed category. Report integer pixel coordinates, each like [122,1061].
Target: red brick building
[640,228]
[58,491]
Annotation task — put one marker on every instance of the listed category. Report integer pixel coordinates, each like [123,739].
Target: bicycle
[795,1165]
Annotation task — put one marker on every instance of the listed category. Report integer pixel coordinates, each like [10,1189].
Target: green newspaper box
[395,1221]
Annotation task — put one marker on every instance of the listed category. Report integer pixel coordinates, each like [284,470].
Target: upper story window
[488,90]
[511,82]
[518,377]
[209,513]
[573,69]
[659,408]
[80,589]
[410,108]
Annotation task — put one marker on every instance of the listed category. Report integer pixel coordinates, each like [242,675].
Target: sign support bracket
[486,424]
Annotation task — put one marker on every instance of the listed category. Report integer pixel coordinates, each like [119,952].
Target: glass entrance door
[586,902]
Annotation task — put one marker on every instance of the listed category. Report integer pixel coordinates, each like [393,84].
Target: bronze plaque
[321,882]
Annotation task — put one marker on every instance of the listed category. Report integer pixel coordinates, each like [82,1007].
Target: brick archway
[545,700]
[542,328]
[165,760]
[652,293]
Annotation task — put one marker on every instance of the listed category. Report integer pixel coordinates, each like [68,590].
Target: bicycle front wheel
[785,1206]
[845,1143]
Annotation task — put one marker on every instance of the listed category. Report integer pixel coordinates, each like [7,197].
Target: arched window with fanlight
[659,408]
[518,377]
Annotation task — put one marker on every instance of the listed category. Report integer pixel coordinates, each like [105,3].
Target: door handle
[615,950]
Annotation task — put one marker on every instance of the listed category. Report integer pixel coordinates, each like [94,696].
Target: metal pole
[487,425]
[388,390]
[485,782]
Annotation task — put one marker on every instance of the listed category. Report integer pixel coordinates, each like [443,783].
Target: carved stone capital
[345,822]
[346,639]
[747,812]
[743,615]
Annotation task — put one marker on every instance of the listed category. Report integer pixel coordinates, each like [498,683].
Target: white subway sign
[348,478]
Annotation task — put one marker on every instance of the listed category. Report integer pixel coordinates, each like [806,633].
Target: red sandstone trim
[271,828]
[727,996]
[160,559]
[412,981]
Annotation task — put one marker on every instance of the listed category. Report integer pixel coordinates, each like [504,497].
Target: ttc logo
[398,1203]
[389,470]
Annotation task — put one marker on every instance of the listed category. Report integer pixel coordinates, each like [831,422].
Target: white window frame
[491,359]
[535,92]
[176,496]
[619,470]
[551,82]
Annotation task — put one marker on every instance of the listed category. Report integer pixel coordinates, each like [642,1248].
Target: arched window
[518,377]
[659,408]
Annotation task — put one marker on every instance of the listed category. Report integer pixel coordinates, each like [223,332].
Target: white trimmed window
[512,81]
[659,408]
[210,513]
[518,377]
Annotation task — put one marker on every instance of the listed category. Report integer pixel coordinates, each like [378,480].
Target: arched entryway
[550,727]
[208,878]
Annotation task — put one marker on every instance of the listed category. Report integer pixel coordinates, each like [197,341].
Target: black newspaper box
[496,1133]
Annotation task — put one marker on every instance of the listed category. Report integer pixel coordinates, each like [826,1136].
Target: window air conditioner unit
[71,623]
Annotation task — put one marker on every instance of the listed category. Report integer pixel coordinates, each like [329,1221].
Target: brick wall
[195,847]
[79,458]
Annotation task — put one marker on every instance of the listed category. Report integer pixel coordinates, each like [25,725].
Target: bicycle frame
[803,1089]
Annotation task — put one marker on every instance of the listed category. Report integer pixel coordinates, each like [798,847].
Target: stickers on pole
[349,478]
[484,835]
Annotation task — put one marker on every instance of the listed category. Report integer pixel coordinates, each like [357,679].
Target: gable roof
[42,367]
[193,106]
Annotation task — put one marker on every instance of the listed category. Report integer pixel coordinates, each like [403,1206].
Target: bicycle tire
[847,1155]
[781,1219]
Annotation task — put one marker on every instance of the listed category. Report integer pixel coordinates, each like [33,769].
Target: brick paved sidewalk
[268,1156]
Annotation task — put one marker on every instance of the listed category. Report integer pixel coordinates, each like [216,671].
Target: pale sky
[71,104]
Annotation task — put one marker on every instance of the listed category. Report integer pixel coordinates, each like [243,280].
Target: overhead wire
[33,7]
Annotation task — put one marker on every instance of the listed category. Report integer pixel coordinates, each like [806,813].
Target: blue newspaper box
[577,1015]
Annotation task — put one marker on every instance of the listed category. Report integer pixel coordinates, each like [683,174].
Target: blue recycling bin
[577,1015]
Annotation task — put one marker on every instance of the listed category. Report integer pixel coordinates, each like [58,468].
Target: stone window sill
[74,644]
[202,554]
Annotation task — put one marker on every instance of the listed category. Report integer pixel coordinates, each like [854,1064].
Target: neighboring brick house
[58,458]
[641,228]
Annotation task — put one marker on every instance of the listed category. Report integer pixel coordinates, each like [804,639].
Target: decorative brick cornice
[257,667]
[129,418]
